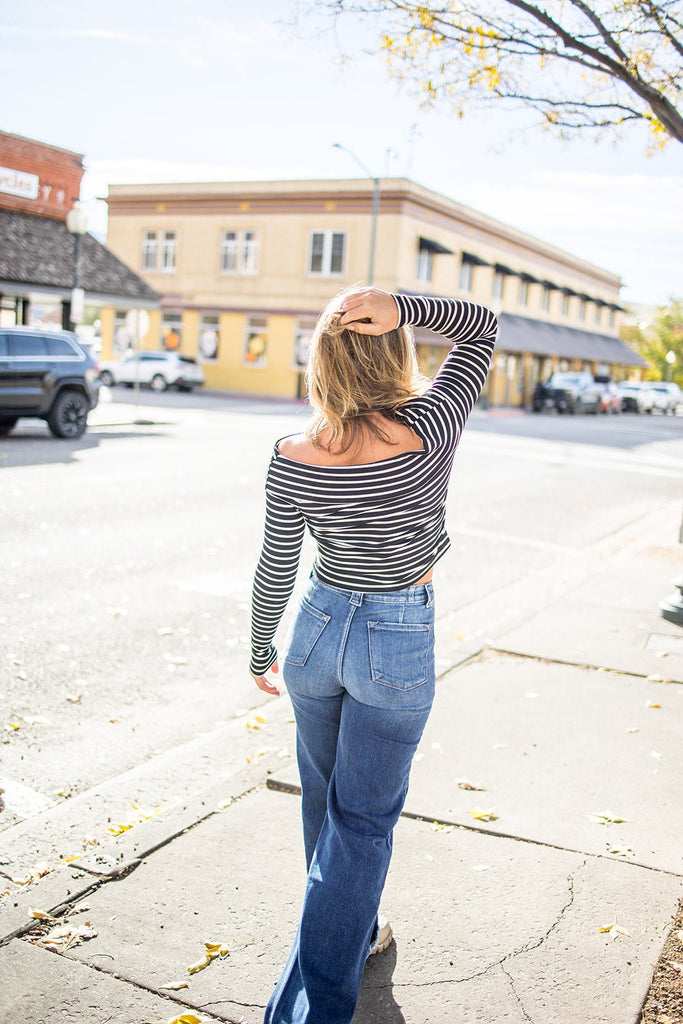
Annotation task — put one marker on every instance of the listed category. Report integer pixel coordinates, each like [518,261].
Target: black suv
[46,374]
[568,391]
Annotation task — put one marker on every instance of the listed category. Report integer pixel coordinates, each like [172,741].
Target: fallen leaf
[438,827]
[213,950]
[614,929]
[175,985]
[633,729]
[652,704]
[184,1018]
[607,818]
[464,784]
[484,815]
[655,678]
[40,915]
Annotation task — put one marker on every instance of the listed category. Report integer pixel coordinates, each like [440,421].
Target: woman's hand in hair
[264,683]
[369,311]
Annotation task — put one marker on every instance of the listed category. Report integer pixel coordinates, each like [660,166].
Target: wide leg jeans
[359,668]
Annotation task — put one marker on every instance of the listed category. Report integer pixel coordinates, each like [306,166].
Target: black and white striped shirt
[378,526]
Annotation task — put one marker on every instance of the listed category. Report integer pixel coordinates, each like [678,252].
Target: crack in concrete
[516,994]
[528,947]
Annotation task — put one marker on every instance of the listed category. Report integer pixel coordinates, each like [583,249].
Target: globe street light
[375,208]
[77,225]
[671,360]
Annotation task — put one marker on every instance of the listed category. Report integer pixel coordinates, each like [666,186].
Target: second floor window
[239,252]
[326,251]
[498,284]
[423,269]
[545,299]
[523,292]
[159,250]
[150,248]
[466,271]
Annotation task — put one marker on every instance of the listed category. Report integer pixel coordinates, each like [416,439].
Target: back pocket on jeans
[308,626]
[400,653]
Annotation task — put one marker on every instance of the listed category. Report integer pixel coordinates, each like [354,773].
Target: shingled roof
[38,253]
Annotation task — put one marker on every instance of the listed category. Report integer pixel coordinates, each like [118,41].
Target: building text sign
[19,183]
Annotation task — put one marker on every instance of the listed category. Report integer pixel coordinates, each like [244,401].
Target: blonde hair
[350,376]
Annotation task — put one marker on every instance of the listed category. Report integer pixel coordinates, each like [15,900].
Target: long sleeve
[440,415]
[274,577]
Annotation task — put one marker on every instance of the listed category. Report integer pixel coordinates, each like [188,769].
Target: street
[127,560]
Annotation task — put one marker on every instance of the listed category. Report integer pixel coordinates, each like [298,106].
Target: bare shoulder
[298,448]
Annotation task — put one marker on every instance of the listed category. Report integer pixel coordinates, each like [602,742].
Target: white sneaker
[383,937]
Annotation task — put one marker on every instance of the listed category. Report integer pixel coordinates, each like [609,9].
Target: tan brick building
[243,269]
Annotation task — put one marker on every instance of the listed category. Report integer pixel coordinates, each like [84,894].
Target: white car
[157,370]
[667,397]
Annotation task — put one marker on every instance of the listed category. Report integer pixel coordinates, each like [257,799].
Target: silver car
[157,370]
[667,397]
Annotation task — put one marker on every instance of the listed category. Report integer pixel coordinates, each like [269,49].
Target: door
[24,369]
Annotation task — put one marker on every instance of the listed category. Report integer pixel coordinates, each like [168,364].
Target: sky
[214,90]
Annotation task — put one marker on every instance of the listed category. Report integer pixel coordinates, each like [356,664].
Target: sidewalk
[544,896]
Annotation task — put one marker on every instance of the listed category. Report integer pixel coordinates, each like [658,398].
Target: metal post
[376,184]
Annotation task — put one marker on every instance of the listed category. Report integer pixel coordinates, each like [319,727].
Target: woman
[369,478]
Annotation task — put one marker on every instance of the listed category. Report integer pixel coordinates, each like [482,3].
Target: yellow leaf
[652,704]
[200,965]
[484,815]
[184,1018]
[438,827]
[607,818]
[633,729]
[40,915]
[261,720]
[175,985]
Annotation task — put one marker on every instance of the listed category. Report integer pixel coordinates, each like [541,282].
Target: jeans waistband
[418,593]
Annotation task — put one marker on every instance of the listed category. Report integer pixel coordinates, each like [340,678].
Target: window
[149,250]
[171,331]
[523,292]
[326,252]
[302,341]
[23,345]
[598,313]
[239,252]
[256,342]
[61,347]
[565,304]
[123,339]
[209,338]
[611,318]
[423,268]
[169,250]
[159,250]
[545,299]
[582,309]
[466,274]
[498,284]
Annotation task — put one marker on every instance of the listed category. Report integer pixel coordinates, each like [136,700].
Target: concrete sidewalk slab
[612,620]
[39,987]
[488,929]
[551,745]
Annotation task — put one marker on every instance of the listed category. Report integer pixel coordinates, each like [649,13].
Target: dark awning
[520,334]
[500,268]
[537,337]
[37,254]
[551,285]
[530,278]
[426,244]
[477,261]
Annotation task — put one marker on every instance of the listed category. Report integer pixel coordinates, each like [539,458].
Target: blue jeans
[359,668]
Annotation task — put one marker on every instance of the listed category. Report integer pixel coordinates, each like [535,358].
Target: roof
[519,334]
[38,253]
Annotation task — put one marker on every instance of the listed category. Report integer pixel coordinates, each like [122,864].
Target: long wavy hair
[350,376]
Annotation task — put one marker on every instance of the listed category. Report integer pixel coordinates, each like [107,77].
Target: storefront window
[256,342]
[171,331]
[209,338]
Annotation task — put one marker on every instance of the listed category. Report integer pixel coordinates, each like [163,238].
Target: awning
[427,245]
[476,261]
[500,268]
[37,255]
[519,334]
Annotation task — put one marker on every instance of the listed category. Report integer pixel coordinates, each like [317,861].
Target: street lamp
[375,207]
[77,225]
[671,360]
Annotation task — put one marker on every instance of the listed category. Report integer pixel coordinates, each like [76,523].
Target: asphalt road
[127,559]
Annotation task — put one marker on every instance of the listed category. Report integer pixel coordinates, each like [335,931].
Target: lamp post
[375,208]
[77,225]
[671,360]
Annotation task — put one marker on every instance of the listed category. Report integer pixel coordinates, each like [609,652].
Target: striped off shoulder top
[377,526]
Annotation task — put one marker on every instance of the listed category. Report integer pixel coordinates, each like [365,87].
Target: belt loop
[430,595]
[356,598]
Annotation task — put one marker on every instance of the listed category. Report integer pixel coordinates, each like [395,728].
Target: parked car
[567,391]
[610,395]
[666,397]
[157,370]
[636,396]
[48,376]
